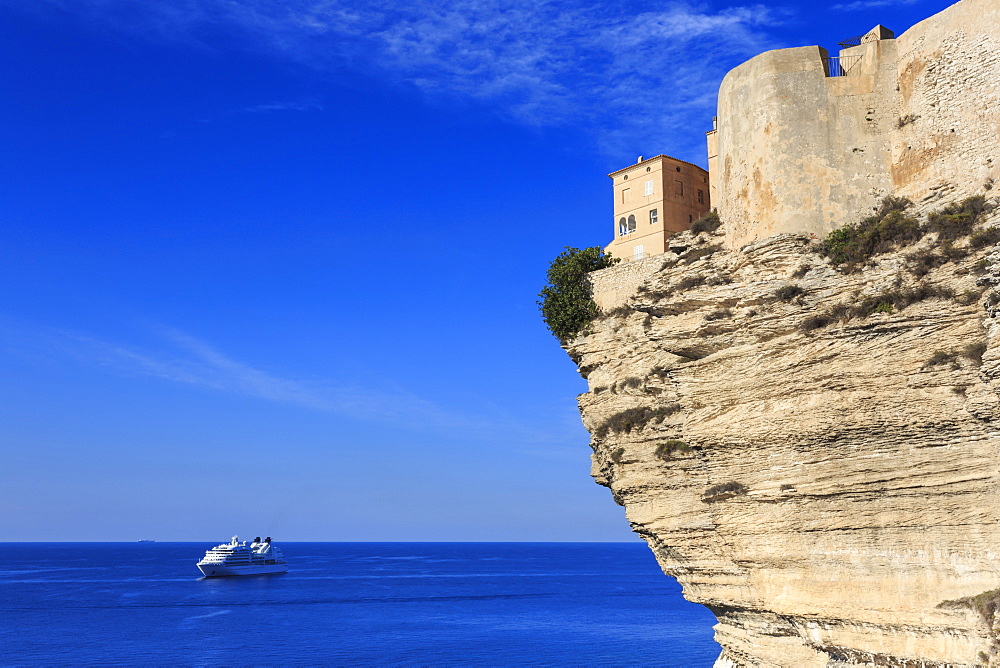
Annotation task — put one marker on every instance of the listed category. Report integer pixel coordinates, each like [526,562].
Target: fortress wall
[949,81]
[862,108]
[755,130]
[798,151]
[805,153]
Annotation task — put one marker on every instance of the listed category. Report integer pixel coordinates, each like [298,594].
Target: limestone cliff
[812,454]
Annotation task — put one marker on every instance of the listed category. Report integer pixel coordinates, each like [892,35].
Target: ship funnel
[257,539]
[267,540]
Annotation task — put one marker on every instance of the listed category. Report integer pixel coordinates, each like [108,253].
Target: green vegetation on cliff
[891,227]
[566,303]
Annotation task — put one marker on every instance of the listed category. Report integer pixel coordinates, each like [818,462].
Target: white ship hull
[223,570]
[236,558]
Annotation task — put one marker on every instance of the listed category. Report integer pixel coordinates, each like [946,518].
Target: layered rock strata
[826,482]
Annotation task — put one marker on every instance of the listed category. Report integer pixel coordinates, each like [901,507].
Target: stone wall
[799,151]
[919,116]
[949,92]
[613,286]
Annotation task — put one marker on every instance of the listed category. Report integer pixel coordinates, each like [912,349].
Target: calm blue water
[496,604]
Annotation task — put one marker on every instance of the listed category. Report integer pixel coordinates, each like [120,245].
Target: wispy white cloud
[181,358]
[627,78]
[192,361]
[298,105]
[870,4]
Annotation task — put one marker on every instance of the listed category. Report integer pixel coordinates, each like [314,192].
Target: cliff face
[828,486]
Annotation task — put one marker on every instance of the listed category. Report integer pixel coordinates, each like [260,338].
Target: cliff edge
[812,453]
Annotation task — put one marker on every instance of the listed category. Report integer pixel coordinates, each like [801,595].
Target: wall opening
[843,66]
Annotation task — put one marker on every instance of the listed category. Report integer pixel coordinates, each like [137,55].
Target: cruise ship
[236,558]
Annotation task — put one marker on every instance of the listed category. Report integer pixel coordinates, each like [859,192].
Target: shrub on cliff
[983,238]
[693,256]
[625,421]
[897,300]
[710,222]
[891,228]
[890,301]
[957,220]
[668,449]
[566,303]
[940,357]
[724,491]
[972,351]
[888,229]
[787,293]
[719,314]
[925,260]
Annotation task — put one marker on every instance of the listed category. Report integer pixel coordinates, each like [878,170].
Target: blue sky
[270,267]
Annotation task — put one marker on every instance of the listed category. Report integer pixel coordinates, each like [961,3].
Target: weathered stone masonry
[917,116]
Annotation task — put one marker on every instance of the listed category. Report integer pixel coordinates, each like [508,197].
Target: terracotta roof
[655,157]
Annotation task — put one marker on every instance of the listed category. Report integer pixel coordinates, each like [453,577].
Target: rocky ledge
[812,454]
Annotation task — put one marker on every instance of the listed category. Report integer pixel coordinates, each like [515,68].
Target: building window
[631,224]
[701,196]
[654,217]
[625,195]
[638,253]
[678,187]
[647,187]
[690,219]
[622,227]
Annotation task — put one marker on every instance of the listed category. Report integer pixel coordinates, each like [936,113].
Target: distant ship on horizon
[236,558]
[146,540]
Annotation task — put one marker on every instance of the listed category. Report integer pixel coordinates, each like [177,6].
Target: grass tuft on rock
[888,229]
[787,293]
[885,302]
[710,222]
[719,314]
[957,220]
[668,449]
[630,419]
[724,491]
[986,237]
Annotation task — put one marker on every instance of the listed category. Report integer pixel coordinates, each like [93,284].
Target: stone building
[655,198]
[805,142]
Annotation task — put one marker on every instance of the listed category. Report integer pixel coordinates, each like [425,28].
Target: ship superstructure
[238,558]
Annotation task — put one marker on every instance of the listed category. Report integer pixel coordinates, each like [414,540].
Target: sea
[349,604]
